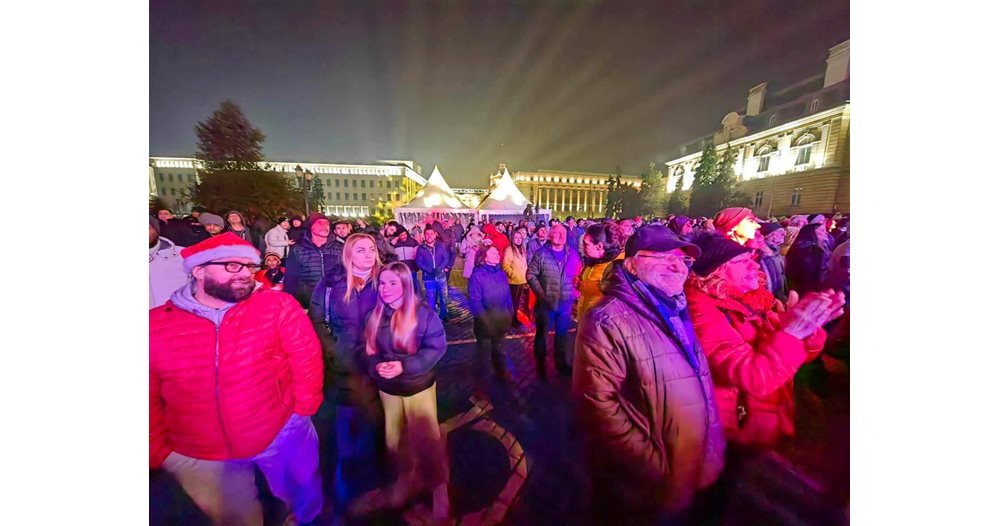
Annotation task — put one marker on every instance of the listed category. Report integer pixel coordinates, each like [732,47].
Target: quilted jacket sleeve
[598,375]
[159,446]
[433,345]
[759,367]
[300,344]
[534,271]
[293,269]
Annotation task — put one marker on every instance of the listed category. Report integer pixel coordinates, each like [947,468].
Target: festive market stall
[435,201]
[506,202]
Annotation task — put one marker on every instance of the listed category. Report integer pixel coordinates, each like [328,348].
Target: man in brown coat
[642,388]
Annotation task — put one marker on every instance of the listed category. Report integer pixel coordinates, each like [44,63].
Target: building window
[354,183]
[338,196]
[163,192]
[364,196]
[173,192]
[763,163]
[796,196]
[161,177]
[336,183]
[170,177]
[355,196]
[770,121]
[758,199]
[380,184]
[803,156]
[814,105]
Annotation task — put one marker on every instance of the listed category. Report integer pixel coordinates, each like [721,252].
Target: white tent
[435,200]
[507,202]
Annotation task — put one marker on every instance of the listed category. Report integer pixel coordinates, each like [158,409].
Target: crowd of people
[267,341]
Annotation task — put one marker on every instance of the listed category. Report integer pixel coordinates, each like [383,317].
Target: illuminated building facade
[351,189]
[578,194]
[792,147]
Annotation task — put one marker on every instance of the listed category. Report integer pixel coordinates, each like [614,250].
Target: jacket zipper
[218,394]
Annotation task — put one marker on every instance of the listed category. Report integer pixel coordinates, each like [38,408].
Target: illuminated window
[758,199]
[796,196]
[814,105]
[763,163]
[803,156]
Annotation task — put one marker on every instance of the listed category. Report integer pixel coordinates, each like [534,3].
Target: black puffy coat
[418,368]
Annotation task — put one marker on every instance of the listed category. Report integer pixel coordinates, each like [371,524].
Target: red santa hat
[227,245]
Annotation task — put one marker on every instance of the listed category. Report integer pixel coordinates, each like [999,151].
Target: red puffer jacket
[224,394]
[749,354]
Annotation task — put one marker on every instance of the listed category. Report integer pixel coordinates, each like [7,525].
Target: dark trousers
[488,341]
[561,319]
[517,295]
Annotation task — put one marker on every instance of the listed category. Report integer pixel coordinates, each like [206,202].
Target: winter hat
[657,238]
[282,220]
[715,250]
[678,222]
[210,219]
[269,254]
[227,245]
[727,219]
[155,223]
[313,217]
[767,228]
[812,218]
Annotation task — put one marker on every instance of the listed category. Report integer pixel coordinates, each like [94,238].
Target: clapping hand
[816,309]
[389,370]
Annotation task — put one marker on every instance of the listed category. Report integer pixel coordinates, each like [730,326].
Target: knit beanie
[155,223]
[728,218]
[210,219]
[227,245]
[767,228]
[313,217]
[715,250]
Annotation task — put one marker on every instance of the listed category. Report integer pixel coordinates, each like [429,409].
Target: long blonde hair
[354,282]
[404,321]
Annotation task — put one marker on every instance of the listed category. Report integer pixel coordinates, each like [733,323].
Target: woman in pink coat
[753,350]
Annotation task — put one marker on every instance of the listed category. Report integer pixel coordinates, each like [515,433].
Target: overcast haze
[561,85]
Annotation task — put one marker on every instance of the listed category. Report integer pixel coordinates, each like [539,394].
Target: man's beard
[233,291]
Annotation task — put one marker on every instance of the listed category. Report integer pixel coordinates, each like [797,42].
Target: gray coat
[552,281]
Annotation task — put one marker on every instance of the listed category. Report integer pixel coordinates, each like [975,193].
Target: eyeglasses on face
[234,267]
[669,258]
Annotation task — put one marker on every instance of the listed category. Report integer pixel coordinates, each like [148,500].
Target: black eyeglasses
[234,267]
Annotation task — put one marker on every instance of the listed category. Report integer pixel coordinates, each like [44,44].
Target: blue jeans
[437,289]
[561,318]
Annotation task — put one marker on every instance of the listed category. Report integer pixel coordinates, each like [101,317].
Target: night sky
[562,85]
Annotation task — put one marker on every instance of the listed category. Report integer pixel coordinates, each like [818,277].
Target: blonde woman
[404,340]
[515,265]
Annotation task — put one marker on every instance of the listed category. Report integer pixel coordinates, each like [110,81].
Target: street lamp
[305,181]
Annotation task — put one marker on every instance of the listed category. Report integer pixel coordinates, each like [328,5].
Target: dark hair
[481,253]
[607,234]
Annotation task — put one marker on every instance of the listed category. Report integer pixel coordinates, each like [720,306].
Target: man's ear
[198,273]
[630,265]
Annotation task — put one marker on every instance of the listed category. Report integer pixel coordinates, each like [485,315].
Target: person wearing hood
[808,260]
[601,246]
[234,378]
[166,268]
[552,275]
[643,391]
[277,240]
[297,230]
[497,238]
[468,248]
[492,308]
[754,351]
[271,276]
[515,265]
[682,226]
[237,224]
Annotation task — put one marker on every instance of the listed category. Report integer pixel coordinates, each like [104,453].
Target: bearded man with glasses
[642,388]
[233,379]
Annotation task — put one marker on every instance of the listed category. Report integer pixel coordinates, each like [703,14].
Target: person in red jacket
[271,276]
[753,350]
[233,379]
